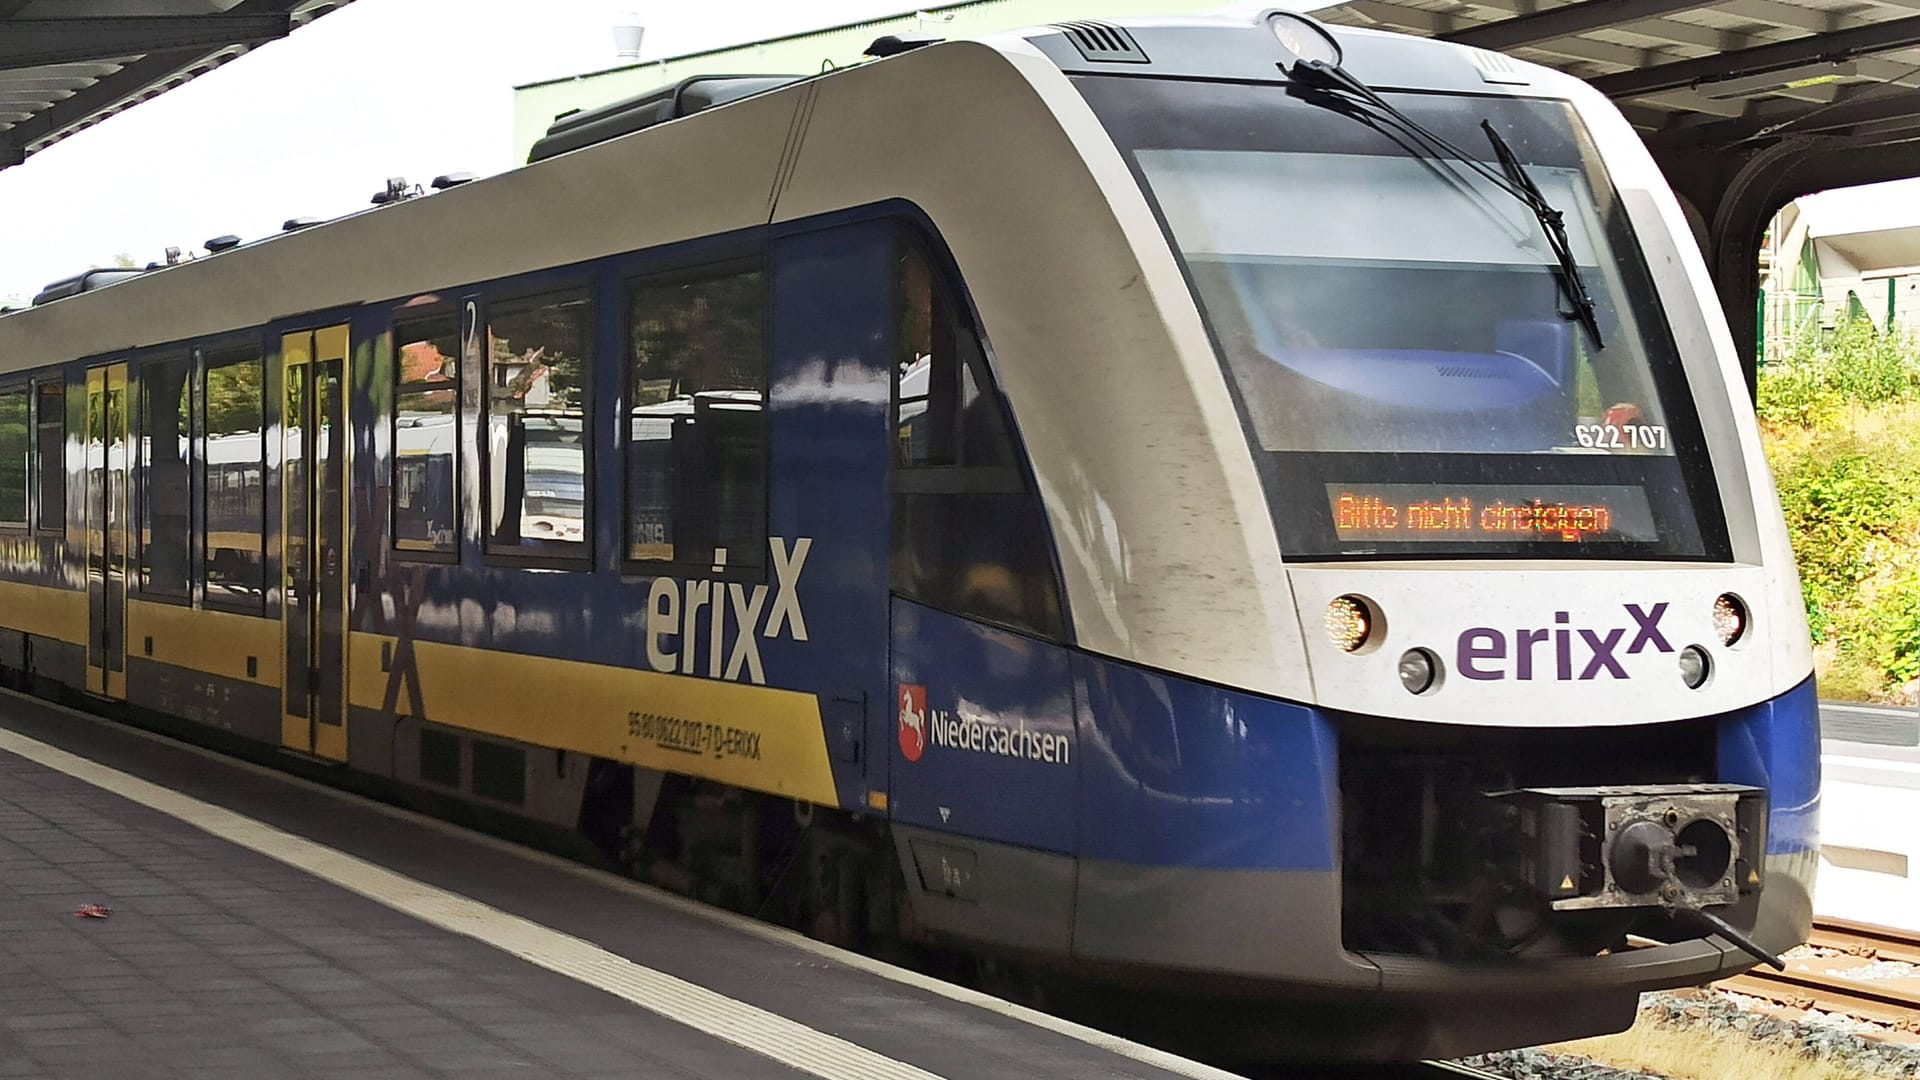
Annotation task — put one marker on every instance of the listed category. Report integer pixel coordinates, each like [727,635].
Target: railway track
[1868,972]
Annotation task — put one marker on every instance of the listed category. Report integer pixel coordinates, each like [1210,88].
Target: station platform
[260,925]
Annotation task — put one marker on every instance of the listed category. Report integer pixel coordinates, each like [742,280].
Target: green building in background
[536,104]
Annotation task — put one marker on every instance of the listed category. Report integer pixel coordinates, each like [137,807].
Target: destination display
[1546,513]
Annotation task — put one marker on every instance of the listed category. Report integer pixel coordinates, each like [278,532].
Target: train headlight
[1419,670]
[1349,622]
[1729,618]
[1695,667]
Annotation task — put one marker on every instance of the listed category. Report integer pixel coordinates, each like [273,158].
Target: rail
[1845,974]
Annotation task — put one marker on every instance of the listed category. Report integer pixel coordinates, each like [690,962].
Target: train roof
[581,128]
[712,156]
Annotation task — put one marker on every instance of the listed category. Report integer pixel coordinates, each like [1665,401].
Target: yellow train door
[313,486]
[107,461]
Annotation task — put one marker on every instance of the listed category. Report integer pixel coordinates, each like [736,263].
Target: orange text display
[1569,513]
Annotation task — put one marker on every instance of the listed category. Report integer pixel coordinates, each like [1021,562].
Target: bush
[1811,380]
[1841,417]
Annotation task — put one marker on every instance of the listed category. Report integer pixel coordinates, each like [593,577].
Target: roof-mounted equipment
[295,224]
[397,190]
[86,281]
[895,44]
[452,180]
[1104,43]
[573,130]
[222,243]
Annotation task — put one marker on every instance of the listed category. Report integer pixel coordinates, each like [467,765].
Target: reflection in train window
[696,429]
[164,438]
[969,535]
[426,403]
[52,426]
[536,432]
[14,443]
[234,490]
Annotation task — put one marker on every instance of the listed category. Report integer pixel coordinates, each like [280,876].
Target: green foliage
[1841,412]
[1900,644]
[1844,507]
[1811,381]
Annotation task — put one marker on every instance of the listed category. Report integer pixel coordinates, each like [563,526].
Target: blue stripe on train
[1131,766]
[1180,773]
[1776,745]
[1148,769]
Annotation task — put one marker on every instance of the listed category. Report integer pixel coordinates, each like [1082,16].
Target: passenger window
[164,437]
[425,434]
[696,426]
[536,447]
[52,429]
[15,443]
[233,481]
[969,536]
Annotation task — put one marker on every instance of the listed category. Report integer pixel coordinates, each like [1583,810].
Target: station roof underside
[1701,73]
[66,65]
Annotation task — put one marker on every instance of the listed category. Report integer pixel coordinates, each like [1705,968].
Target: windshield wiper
[1332,86]
[1553,223]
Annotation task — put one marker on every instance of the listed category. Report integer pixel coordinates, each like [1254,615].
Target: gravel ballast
[1818,1036]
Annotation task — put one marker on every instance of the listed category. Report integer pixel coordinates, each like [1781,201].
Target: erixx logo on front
[1489,654]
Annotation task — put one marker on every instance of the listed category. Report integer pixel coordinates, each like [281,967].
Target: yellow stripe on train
[214,642]
[60,614]
[749,736]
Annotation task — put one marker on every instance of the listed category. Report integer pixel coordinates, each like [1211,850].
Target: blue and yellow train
[1256,529]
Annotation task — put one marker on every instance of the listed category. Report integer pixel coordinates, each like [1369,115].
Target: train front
[1555,683]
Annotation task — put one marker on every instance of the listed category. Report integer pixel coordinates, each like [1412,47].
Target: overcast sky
[315,123]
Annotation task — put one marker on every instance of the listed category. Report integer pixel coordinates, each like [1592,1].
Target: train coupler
[1681,846]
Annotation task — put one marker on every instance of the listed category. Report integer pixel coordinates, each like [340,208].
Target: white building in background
[1843,254]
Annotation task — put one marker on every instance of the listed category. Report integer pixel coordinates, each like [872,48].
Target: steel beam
[28,43]
[1566,21]
[1867,106]
[101,98]
[1662,31]
[1776,56]
[1417,20]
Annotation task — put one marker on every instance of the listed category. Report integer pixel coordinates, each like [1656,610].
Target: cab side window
[969,536]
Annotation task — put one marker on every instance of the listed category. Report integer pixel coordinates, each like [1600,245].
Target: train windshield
[1405,361]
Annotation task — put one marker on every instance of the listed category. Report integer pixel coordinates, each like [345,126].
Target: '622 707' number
[1622,437]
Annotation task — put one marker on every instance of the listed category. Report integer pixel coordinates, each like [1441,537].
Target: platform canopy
[1704,74]
[66,65]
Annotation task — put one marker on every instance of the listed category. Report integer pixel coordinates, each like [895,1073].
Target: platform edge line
[749,1027]
[778,935]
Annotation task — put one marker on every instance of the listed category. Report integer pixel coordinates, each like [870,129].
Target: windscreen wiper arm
[1553,223]
[1332,84]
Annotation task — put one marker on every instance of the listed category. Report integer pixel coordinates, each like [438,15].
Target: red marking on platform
[92,911]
